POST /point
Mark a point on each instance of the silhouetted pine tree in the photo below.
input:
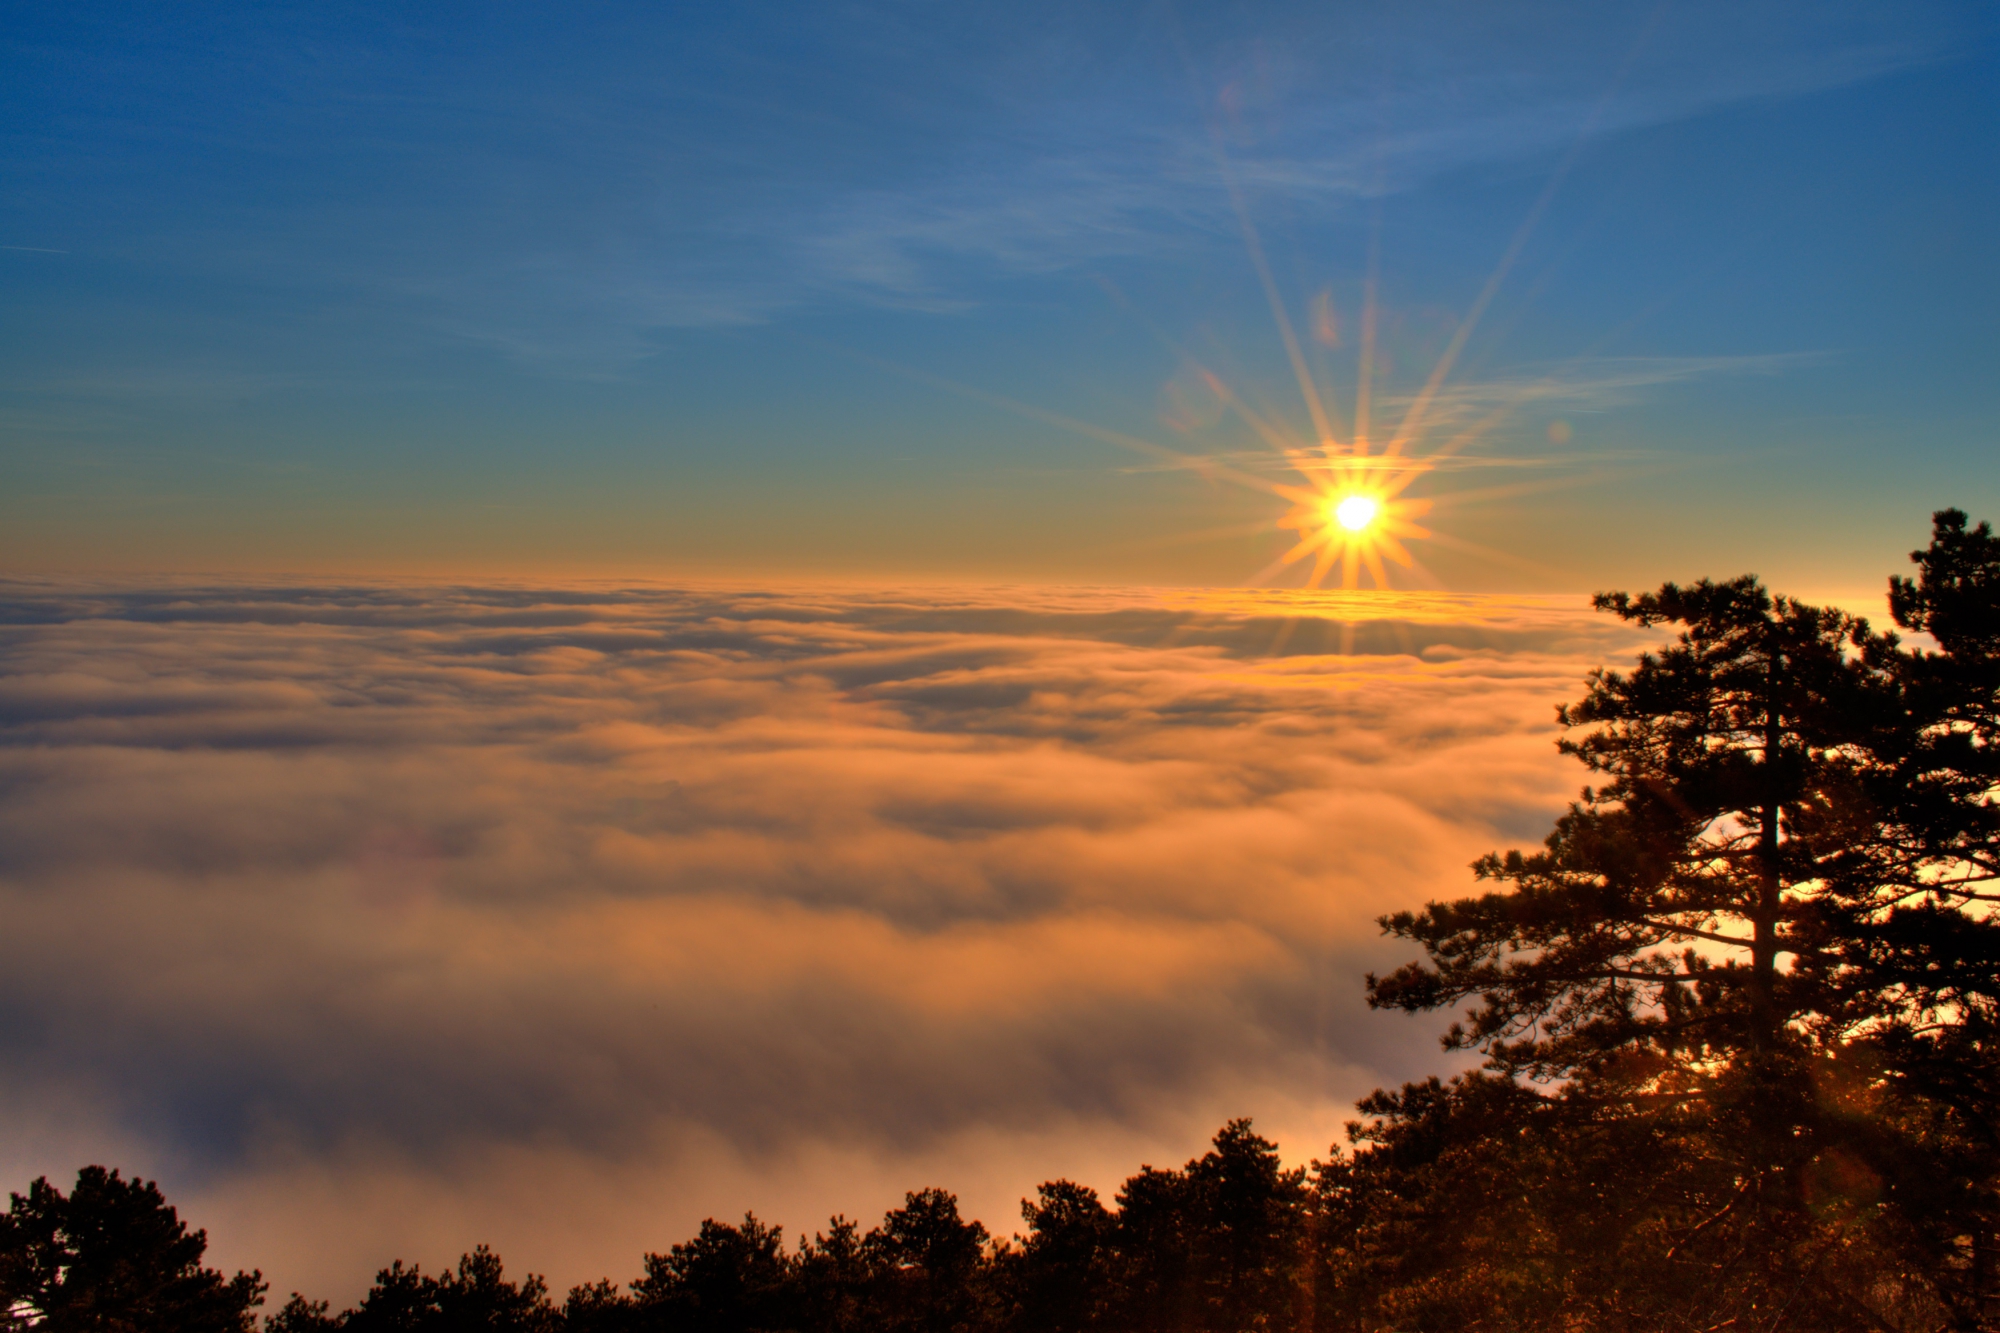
(1737, 1015)
(1058, 1279)
(927, 1267)
(1217, 1245)
(112, 1255)
(477, 1296)
(598, 1307)
(726, 1279)
(830, 1280)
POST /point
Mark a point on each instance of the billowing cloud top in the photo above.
(363, 915)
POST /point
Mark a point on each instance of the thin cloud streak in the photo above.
(723, 204)
(1597, 384)
(1157, 186)
(1479, 408)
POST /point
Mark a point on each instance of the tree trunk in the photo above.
(1764, 919)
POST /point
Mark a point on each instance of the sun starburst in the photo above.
(1352, 515)
(1350, 501)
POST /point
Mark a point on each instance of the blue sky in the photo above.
(661, 290)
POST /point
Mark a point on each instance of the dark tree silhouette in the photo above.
(925, 1261)
(476, 1298)
(830, 1280)
(299, 1315)
(1913, 949)
(113, 1257)
(1058, 1279)
(1215, 1246)
(598, 1307)
(1757, 958)
(725, 1279)
(1656, 919)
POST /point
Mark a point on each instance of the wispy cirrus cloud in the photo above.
(708, 178)
(1463, 422)
(1313, 111)
(1594, 384)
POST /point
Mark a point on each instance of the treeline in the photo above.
(1221, 1243)
(1739, 1022)
(1225, 1242)
(1455, 1221)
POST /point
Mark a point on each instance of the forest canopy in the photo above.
(1736, 1023)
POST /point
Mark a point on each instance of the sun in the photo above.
(1355, 512)
(1352, 514)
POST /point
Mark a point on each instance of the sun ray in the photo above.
(1275, 567)
(1286, 625)
(1364, 390)
(1270, 434)
(1515, 490)
(1298, 552)
(1413, 419)
(1324, 562)
(1253, 528)
(1496, 555)
(1206, 465)
(1308, 389)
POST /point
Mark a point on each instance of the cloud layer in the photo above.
(363, 915)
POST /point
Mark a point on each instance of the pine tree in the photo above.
(926, 1266)
(726, 1279)
(1759, 945)
(1216, 1246)
(1058, 1278)
(113, 1257)
(476, 1296)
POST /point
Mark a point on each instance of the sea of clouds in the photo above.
(381, 920)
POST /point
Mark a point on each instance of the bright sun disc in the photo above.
(1355, 512)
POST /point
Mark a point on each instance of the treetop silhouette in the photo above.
(1760, 949)
(113, 1257)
